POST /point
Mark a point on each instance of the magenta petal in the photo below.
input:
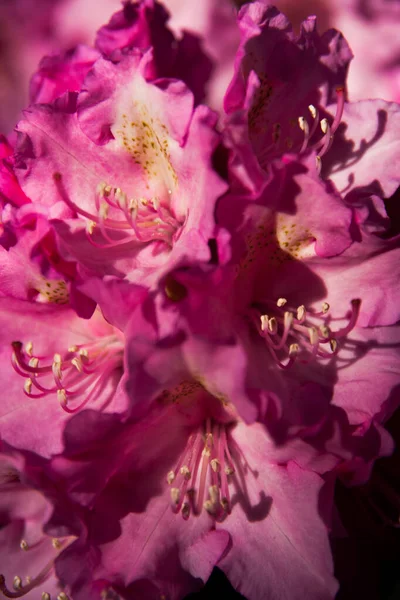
(365, 154)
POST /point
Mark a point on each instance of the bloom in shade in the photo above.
(195, 488)
(28, 554)
(281, 84)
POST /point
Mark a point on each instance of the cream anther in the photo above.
(185, 471)
(215, 465)
(312, 110)
(28, 385)
(103, 210)
(272, 325)
(24, 545)
(17, 583)
(209, 507)
(213, 491)
(281, 302)
(107, 190)
(175, 495)
(57, 362)
(333, 344)
(313, 335)
(46, 596)
(287, 319)
(62, 397)
(55, 542)
(90, 227)
(229, 470)
(325, 307)
(293, 350)
(264, 322)
(170, 477)
(301, 312)
(29, 348)
(33, 362)
(185, 510)
(62, 596)
(73, 349)
(77, 363)
(318, 164)
(324, 125)
(302, 123)
(83, 353)
(325, 331)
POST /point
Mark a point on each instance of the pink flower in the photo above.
(195, 488)
(28, 554)
(54, 364)
(371, 29)
(150, 197)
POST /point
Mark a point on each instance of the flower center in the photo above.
(83, 371)
(203, 472)
(298, 334)
(119, 220)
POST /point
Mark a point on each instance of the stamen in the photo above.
(140, 220)
(83, 371)
(210, 464)
(302, 335)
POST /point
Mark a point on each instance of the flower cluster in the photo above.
(198, 308)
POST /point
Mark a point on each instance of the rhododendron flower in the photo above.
(28, 554)
(199, 311)
(60, 363)
(195, 488)
(149, 194)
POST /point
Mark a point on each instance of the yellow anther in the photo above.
(55, 542)
(333, 344)
(281, 302)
